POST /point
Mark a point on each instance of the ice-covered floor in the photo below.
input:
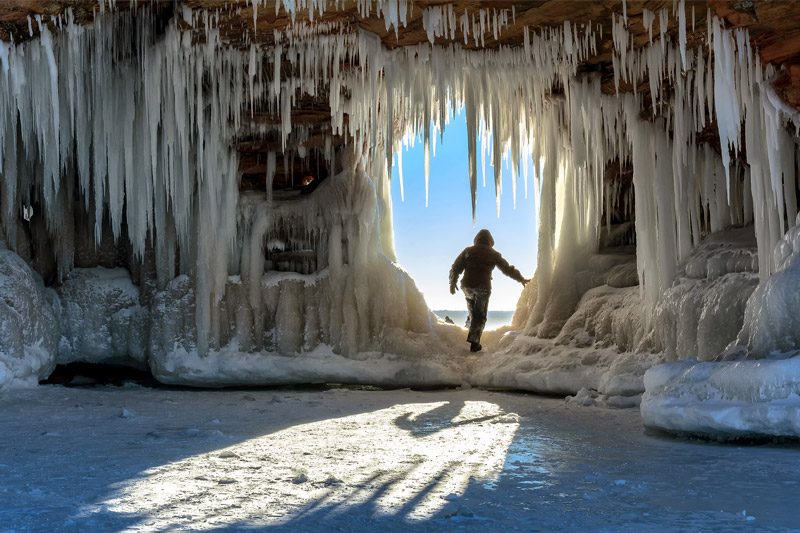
(135, 459)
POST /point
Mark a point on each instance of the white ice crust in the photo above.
(725, 399)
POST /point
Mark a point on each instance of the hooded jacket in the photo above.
(477, 263)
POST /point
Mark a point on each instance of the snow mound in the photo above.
(724, 400)
(29, 326)
(600, 346)
(101, 319)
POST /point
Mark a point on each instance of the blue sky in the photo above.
(428, 240)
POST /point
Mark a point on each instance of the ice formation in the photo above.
(724, 400)
(102, 318)
(29, 326)
(132, 145)
(355, 317)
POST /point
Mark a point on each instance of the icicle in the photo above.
(682, 31)
(725, 97)
(400, 173)
(471, 111)
(647, 21)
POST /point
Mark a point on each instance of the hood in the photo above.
(484, 237)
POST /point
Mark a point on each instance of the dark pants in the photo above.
(477, 305)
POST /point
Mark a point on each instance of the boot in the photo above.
(475, 347)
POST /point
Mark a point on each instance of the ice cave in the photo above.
(202, 190)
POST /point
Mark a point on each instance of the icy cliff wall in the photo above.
(132, 128)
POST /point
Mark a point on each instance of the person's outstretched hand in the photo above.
(453, 289)
(525, 282)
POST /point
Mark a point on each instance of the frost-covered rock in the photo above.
(101, 318)
(772, 321)
(696, 318)
(724, 400)
(29, 323)
(702, 312)
(172, 321)
(608, 316)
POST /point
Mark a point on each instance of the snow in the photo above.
(231, 366)
(358, 461)
(543, 365)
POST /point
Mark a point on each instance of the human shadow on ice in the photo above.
(437, 419)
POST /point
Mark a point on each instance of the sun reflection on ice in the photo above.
(404, 461)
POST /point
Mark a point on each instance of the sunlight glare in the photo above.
(405, 461)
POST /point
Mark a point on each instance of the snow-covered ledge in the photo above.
(725, 399)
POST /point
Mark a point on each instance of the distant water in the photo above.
(494, 320)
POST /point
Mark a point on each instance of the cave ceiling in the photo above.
(773, 26)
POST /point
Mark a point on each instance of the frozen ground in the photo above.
(135, 459)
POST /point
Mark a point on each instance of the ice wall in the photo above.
(683, 190)
(357, 317)
(138, 139)
(140, 135)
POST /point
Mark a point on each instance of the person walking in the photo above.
(477, 263)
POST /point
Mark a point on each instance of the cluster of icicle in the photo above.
(143, 133)
(684, 190)
(139, 135)
(437, 20)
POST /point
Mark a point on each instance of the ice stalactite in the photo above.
(131, 132)
(730, 86)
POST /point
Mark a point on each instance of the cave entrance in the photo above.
(86, 374)
(428, 239)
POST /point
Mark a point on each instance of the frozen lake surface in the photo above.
(494, 319)
(136, 459)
